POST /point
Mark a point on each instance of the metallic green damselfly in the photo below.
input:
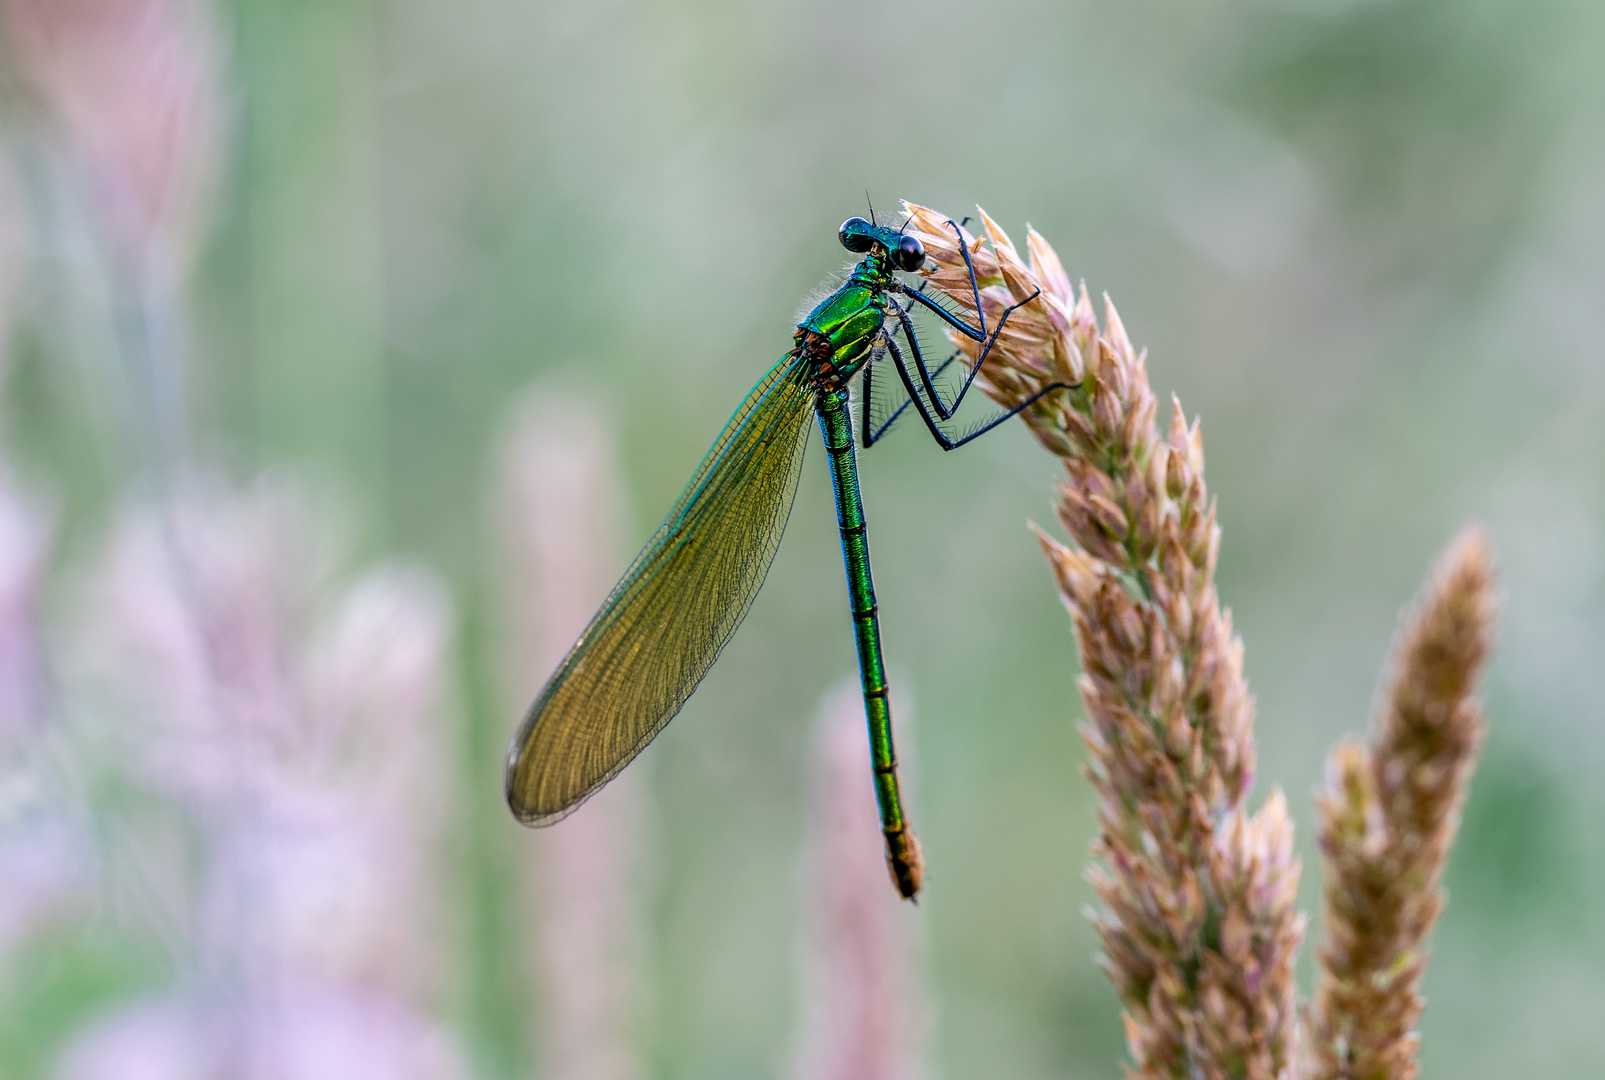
(662, 627)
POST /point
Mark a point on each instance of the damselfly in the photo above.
(662, 627)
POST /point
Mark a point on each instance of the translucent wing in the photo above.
(662, 628)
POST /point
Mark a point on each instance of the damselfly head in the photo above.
(860, 237)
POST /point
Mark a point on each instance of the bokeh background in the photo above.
(351, 347)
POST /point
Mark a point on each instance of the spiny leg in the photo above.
(870, 438)
(867, 436)
(946, 411)
(969, 265)
(975, 290)
(943, 440)
(974, 334)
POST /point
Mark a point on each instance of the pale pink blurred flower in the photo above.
(300, 1034)
(147, 1041)
(347, 841)
(863, 1007)
(199, 614)
(43, 863)
(246, 668)
(134, 84)
(43, 859)
(340, 1035)
(375, 676)
(298, 729)
(558, 502)
(27, 533)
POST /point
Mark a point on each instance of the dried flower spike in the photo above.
(1388, 816)
(1198, 925)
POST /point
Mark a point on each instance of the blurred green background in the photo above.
(1363, 239)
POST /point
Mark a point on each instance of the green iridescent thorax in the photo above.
(851, 317)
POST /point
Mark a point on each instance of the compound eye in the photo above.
(856, 242)
(910, 254)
